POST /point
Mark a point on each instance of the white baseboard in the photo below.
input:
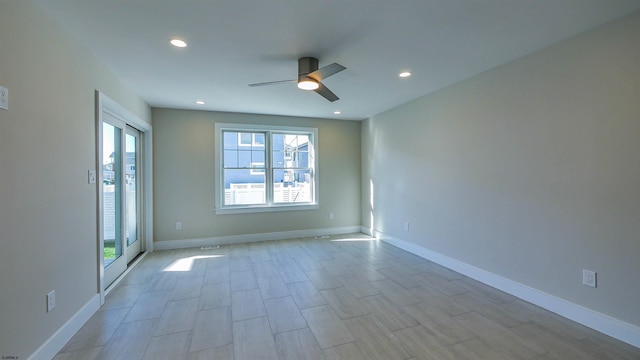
(238, 239)
(603, 323)
(57, 341)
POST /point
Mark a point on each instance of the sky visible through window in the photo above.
(107, 143)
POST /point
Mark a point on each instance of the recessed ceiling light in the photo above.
(200, 102)
(178, 42)
(337, 112)
(404, 74)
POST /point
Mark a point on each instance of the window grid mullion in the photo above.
(268, 167)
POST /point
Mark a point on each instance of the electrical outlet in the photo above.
(589, 278)
(178, 225)
(331, 215)
(406, 226)
(4, 98)
(51, 300)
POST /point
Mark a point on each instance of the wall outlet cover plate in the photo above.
(589, 278)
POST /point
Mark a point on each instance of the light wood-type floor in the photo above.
(347, 297)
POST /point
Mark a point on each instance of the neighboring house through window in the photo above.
(265, 168)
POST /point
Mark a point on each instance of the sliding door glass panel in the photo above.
(112, 192)
(131, 194)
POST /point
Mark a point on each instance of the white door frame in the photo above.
(104, 105)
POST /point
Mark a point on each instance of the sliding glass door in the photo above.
(120, 211)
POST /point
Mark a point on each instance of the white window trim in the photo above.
(219, 207)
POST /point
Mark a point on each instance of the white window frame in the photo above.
(221, 209)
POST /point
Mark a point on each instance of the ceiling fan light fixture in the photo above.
(177, 42)
(308, 84)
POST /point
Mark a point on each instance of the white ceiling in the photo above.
(236, 42)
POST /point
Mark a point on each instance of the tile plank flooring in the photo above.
(347, 297)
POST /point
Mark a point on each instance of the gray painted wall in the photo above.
(48, 236)
(530, 171)
(183, 170)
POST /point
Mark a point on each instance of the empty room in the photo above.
(339, 179)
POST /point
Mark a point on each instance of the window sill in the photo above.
(263, 209)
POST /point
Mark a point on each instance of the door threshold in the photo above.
(136, 260)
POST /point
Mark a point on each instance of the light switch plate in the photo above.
(4, 98)
(92, 177)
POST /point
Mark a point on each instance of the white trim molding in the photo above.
(238, 239)
(105, 106)
(59, 339)
(603, 323)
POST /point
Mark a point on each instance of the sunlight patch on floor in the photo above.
(354, 239)
(185, 264)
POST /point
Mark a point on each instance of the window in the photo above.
(261, 168)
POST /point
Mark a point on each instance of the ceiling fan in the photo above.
(310, 77)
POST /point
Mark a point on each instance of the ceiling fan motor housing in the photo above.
(307, 65)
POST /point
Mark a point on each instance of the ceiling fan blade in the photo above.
(273, 82)
(326, 93)
(326, 71)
